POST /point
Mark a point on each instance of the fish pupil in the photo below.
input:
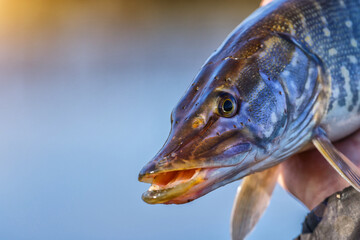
(228, 106)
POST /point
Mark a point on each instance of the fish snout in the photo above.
(146, 172)
(167, 159)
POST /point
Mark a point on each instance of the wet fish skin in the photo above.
(292, 66)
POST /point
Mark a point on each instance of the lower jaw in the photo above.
(179, 194)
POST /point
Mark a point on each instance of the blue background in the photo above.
(86, 92)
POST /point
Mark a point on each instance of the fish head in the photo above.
(221, 130)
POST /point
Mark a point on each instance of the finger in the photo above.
(350, 146)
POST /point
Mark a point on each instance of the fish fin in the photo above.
(344, 166)
(252, 198)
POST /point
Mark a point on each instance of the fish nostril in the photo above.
(198, 122)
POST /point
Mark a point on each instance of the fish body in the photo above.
(286, 79)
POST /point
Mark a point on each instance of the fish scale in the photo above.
(333, 40)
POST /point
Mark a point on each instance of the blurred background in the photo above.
(86, 92)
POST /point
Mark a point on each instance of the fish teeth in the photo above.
(178, 178)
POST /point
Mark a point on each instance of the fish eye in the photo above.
(227, 106)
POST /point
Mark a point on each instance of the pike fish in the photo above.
(285, 80)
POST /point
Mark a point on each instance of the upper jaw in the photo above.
(185, 184)
(166, 161)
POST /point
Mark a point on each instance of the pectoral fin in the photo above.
(252, 198)
(347, 169)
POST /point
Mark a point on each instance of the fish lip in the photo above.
(199, 184)
(167, 195)
(152, 168)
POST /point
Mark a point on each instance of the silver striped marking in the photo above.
(268, 131)
(353, 42)
(303, 20)
(353, 59)
(317, 5)
(295, 59)
(346, 75)
(262, 54)
(326, 32)
(273, 117)
(348, 23)
(332, 51)
(336, 92)
(309, 40)
(323, 19)
(286, 73)
(342, 4)
(308, 81)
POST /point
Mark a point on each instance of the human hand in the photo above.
(310, 178)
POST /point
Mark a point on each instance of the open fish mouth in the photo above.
(182, 184)
(178, 186)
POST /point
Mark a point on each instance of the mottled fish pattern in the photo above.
(290, 77)
(331, 30)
